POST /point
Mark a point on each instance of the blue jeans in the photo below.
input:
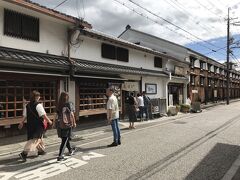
(116, 131)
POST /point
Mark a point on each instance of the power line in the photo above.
(178, 6)
(171, 23)
(205, 7)
(60, 4)
(156, 22)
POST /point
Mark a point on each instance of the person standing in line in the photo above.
(132, 111)
(35, 114)
(65, 122)
(147, 103)
(113, 116)
(140, 105)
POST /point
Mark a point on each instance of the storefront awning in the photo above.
(99, 77)
(33, 73)
(105, 68)
(22, 59)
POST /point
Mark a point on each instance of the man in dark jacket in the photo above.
(147, 105)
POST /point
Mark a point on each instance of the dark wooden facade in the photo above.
(208, 81)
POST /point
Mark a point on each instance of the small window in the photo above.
(192, 61)
(209, 81)
(108, 51)
(122, 54)
(201, 81)
(192, 80)
(201, 65)
(21, 26)
(209, 67)
(158, 62)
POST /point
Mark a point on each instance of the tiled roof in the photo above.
(96, 67)
(14, 55)
(98, 35)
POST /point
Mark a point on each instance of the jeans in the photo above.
(145, 110)
(116, 131)
(141, 109)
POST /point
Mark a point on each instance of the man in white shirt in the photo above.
(113, 116)
(140, 105)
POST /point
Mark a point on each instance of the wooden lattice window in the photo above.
(21, 26)
(14, 93)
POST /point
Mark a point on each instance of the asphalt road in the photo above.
(202, 146)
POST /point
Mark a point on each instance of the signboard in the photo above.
(179, 70)
(130, 86)
(194, 91)
(151, 88)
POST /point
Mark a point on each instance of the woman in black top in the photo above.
(65, 123)
(132, 111)
(34, 113)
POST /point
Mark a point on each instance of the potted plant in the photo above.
(185, 108)
(178, 108)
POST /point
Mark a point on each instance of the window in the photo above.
(108, 51)
(215, 82)
(158, 62)
(115, 53)
(209, 67)
(215, 69)
(221, 83)
(13, 94)
(192, 61)
(220, 71)
(21, 26)
(209, 81)
(192, 80)
(122, 54)
(201, 81)
(201, 65)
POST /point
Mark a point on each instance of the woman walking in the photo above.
(35, 114)
(65, 123)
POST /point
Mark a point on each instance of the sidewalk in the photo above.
(14, 145)
(209, 105)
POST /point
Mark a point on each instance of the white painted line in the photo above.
(233, 169)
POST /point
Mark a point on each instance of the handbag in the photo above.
(45, 124)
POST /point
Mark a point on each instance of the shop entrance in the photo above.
(175, 94)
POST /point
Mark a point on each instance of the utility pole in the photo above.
(228, 52)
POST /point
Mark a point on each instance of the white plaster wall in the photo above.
(155, 43)
(90, 49)
(171, 66)
(161, 86)
(53, 34)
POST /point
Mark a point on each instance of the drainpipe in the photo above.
(170, 78)
(72, 64)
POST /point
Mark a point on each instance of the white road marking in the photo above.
(49, 169)
(91, 156)
(232, 171)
